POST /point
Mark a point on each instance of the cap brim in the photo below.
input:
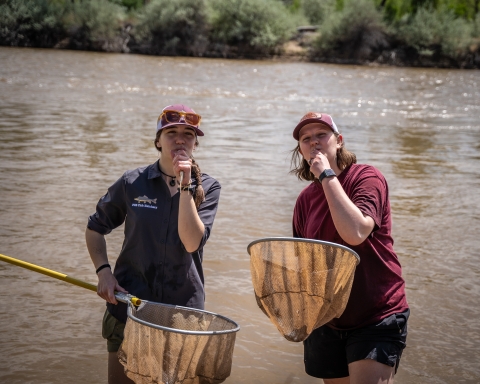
(296, 131)
(196, 129)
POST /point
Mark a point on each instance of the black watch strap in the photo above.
(326, 173)
(186, 188)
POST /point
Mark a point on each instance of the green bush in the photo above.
(292, 5)
(357, 32)
(395, 9)
(253, 26)
(432, 32)
(476, 26)
(96, 24)
(172, 27)
(30, 23)
(464, 8)
(131, 4)
(316, 11)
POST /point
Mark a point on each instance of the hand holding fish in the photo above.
(182, 163)
(318, 163)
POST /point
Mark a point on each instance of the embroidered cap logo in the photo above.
(311, 115)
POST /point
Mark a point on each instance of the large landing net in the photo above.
(165, 343)
(171, 344)
(301, 284)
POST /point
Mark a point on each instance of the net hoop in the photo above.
(301, 284)
(300, 240)
(132, 317)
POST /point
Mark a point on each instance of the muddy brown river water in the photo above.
(72, 122)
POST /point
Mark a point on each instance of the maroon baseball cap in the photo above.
(179, 114)
(315, 117)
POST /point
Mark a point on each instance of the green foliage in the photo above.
(30, 23)
(129, 4)
(430, 31)
(252, 25)
(464, 8)
(417, 4)
(476, 26)
(295, 6)
(349, 30)
(317, 11)
(396, 9)
(98, 20)
(339, 5)
(356, 32)
(173, 27)
(292, 5)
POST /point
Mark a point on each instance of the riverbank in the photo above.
(365, 32)
(399, 56)
(292, 51)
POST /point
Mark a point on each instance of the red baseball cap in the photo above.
(179, 114)
(315, 117)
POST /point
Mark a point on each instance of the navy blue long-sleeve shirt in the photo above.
(153, 263)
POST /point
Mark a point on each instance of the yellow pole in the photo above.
(48, 272)
(63, 277)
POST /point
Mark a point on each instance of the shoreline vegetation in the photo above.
(415, 33)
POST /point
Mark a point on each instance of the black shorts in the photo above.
(328, 352)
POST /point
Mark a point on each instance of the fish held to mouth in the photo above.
(313, 154)
(175, 152)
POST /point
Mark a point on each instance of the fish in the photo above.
(145, 199)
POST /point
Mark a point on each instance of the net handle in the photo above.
(123, 297)
(300, 240)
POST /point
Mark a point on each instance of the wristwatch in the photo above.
(186, 188)
(326, 173)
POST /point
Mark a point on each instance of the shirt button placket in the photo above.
(164, 223)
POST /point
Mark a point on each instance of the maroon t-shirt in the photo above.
(378, 287)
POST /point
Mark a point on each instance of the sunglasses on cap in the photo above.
(172, 117)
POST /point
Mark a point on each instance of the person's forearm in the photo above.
(97, 247)
(190, 227)
(352, 226)
(107, 283)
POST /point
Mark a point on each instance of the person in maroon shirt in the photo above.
(347, 204)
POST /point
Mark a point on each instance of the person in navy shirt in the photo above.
(167, 223)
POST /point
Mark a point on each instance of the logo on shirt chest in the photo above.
(145, 202)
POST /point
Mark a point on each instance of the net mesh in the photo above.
(151, 355)
(301, 285)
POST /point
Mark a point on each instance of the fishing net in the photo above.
(301, 284)
(166, 343)
(172, 344)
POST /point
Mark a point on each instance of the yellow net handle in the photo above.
(61, 276)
